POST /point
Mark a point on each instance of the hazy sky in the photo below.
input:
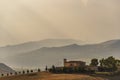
(86, 20)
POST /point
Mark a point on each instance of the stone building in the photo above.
(74, 63)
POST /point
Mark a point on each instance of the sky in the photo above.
(31, 20)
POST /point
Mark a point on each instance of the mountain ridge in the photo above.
(34, 45)
(54, 55)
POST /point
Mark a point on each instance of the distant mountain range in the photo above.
(4, 69)
(30, 46)
(54, 55)
(19, 49)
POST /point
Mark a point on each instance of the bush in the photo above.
(104, 73)
(70, 70)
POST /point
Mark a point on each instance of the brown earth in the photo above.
(49, 76)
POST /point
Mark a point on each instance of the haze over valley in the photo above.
(37, 54)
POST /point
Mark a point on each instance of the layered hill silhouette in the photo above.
(11, 50)
(54, 55)
(4, 69)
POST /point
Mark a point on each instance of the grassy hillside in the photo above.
(49, 76)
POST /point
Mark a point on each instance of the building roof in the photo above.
(75, 62)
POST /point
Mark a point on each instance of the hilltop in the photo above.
(49, 76)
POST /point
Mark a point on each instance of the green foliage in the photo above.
(67, 70)
(94, 62)
(104, 73)
(109, 63)
(102, 62)
(118, 62)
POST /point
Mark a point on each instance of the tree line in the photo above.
(109, 64)
(70, 70)
(20, 72)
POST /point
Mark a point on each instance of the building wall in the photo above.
(74, 64)
(70, 65)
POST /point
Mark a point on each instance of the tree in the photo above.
(15, 73)
(11, 73)
(110, 63)
(118, 62)
(46, 69)
(23, 72)
(7, 74)
(2, 75)
(19, 72)
(94, 62)
(102, 62)
(53, 68)
(39, 70)
(31, 71)
(28, 71)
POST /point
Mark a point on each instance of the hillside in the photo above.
(4, 69)
(54, 55)
(49, 76)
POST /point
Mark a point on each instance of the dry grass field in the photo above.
(49, 76)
